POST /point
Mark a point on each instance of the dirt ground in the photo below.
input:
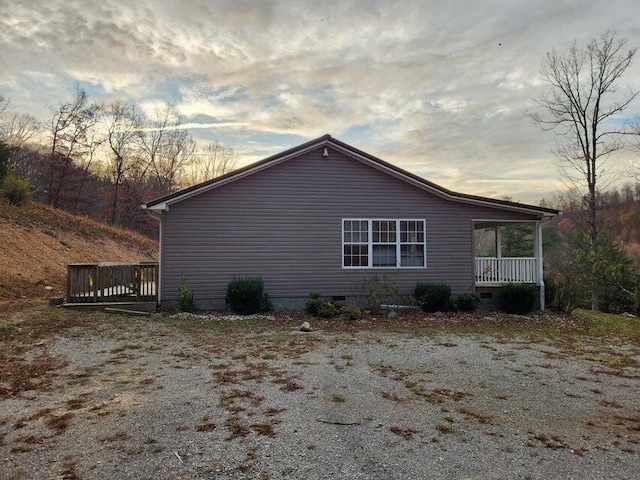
(38, 241)
(99, 396)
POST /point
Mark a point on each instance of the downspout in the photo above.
(539, 262)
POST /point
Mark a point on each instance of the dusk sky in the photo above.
(436, 87)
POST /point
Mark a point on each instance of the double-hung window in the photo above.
(383, 243)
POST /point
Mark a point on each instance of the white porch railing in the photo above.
(506, 270)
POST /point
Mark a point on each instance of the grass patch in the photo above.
(126, 346)
(206, 427)
(288, 385)
(116, 437)
(59, 423)
(404, 432)
(480, 417)
(393, 396)
(554, 442)
(337, 398)
(69, 470)
(236, 428)
(445, 427)
(273, 411)
(265, 429)
(607, 325)
(29, 439)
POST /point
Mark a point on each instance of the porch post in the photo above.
(498, 242)
(538, 253)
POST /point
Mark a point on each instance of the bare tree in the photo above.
(4, 104)
(124, 123)
(73, 139)
(167, 146)
(581, 105)
(16, 129)
(214, 160)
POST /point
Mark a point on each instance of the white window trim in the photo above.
(370, 243)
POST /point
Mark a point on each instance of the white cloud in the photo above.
(437, 87)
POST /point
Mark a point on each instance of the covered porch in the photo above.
(508, 252)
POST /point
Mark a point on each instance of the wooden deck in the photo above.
(100, 284)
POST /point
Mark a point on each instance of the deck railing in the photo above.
(506, 270)
(112, 282)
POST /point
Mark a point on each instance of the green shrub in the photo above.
(328, 309)
(16, 189)
(185, 297)
(323, 308)
(352, 312)
(313, 304)
(518, 298)
(433, 297)
(267, 304)
(467, 302)
(246, 296)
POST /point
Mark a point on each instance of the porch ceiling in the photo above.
(499, 223)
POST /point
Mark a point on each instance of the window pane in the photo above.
(412, 255)
(384, 256)
(356, 255)
(384, 231)
(356, 231)
(411, 231)
(363, 228)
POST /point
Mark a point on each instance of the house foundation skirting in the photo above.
(490, 297)
(489, 300)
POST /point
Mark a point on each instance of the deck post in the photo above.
(68, 282)
(539, 266)
(96, 281)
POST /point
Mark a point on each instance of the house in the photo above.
(326, 217)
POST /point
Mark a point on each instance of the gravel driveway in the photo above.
(151, 398)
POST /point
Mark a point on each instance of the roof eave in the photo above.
(234, 176)
(162, 204)
(156, 209)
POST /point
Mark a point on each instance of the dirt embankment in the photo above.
(38, 241)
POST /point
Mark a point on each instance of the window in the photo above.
(383, 243)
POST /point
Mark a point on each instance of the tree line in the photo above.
(572, 267)
(105, 160)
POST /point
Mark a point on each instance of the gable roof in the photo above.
(163, 203)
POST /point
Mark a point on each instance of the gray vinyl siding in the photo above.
(284, 224)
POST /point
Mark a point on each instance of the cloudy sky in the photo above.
(437, 87)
